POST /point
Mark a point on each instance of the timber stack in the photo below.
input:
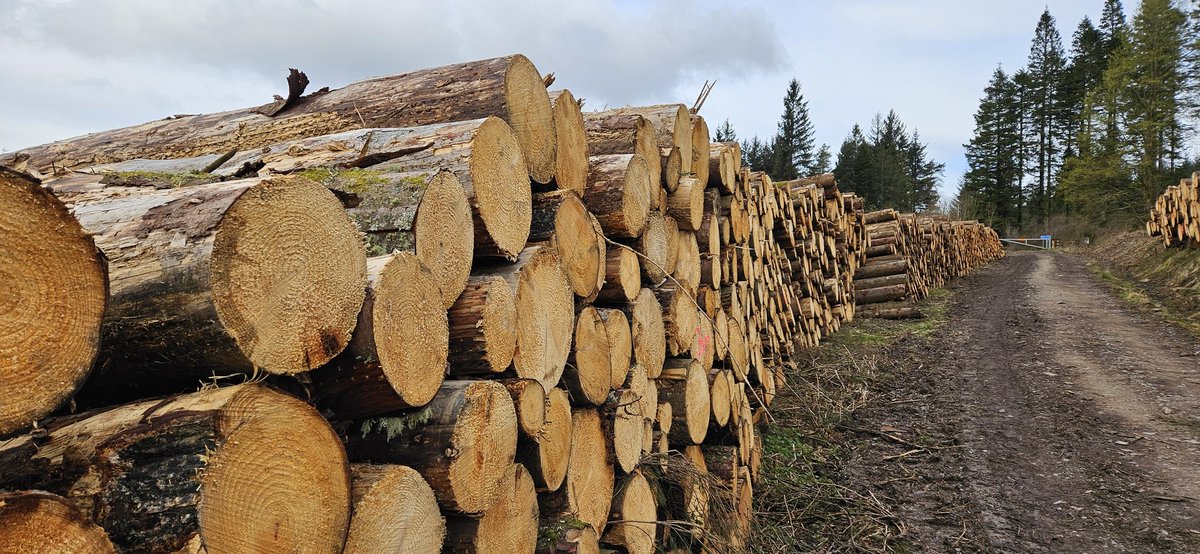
(910, 254)
(407, 316)
(1176, 214)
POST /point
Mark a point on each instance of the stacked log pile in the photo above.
(487, 321)
(910, 254)
(1176, 214)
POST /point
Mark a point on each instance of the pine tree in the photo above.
(853, 171)
(923, 175)
(824, 160)
(1147, 79)
(1046, 66)
(991, 186)
(756, 154)
(1083, 74)
(792, 146)
(725, 132)
(1113, 25)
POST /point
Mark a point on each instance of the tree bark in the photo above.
(610, 132)
(225, 277)
(482, 328)
(397, 356)
(463, 443)
(159, 475)
(509, 88)
(55, 293)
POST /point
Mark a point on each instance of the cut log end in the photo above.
(500, 185)
(531, 117)
(587, 492)
(545, 317)
(581, 247)
(288, 274)
(635, 203)
(620, 345)
(589, 373)
(46, 523)
(279, 481)
(484, 437)
(409, 327)
(546, 456)
(445, 235)
(509, 525)
(635, 510)
(394, 511)
(53, 301)
(648, 332)
(571, 157)
(654, 245)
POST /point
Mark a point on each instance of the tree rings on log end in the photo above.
(288, 274)
(445, 234)
(531, 117)
(500, 185)
(394, 511)
(546, 456)
(278, 481)
(509, 525)
(589, 372)
(581, 247)
(635, 510)
(590, 476)
(653, 245)
(649, 333)
(571, 157)
(620, 345)
(545, 317)
(46, 523)
(407, 328)
(53, 300)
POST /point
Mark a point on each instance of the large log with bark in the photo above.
(561, 218)
(545, 313)
(613, 132)
(618, 192)
(509, 88)
(509, 525)
(35, 521)
(394, 511)
(482, 325)
(397, 355)
(463, 443)
(235, 469)
(685, 388)
(255, 274)
(54, 297)
(673, 129)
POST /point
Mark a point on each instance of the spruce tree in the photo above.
(792, 147)
(824, 160)
(725, 132)
(992, 183)
(1045, 67)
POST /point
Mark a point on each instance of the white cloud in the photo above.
(89, 65)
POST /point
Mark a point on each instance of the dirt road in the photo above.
(1045, 416)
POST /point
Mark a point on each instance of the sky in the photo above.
(76, 66)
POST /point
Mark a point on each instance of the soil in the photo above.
(1045, 416)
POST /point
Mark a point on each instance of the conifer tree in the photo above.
(792, 147)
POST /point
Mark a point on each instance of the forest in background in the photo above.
(1086, 138)
(1078, 139)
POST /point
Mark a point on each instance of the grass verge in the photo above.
(801, 504)
(1139, 298)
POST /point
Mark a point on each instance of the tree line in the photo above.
(1096, 132)
(887, 165)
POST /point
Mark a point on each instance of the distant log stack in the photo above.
(1176, 214)
(570, 328)
(911, 254)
